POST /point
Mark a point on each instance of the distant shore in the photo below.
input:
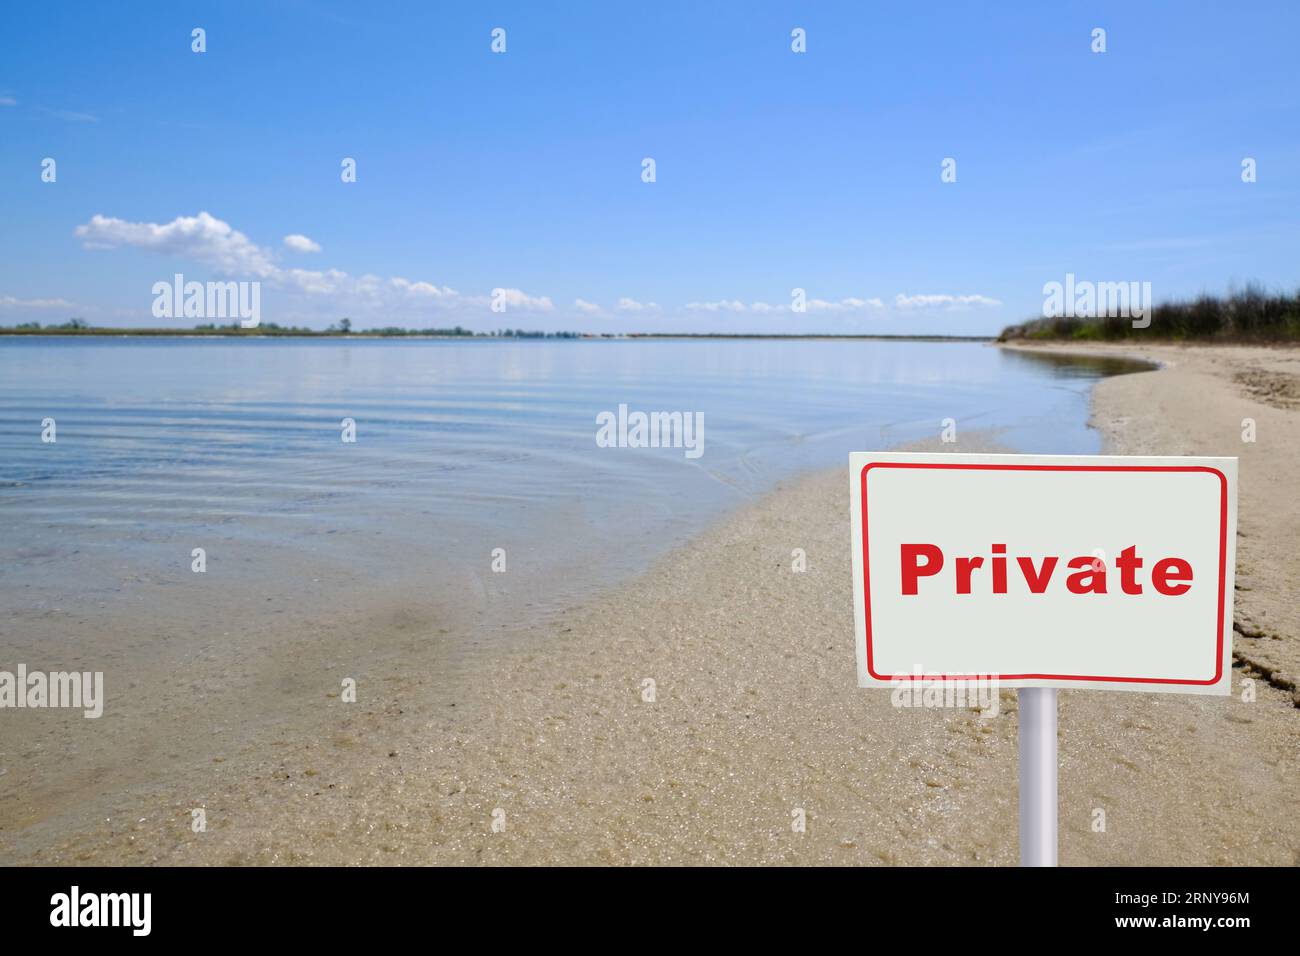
(275, 332)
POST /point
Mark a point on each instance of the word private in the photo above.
(1169, 576)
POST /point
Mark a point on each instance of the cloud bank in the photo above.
(216, 244)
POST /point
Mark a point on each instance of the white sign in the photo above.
(1044, 570)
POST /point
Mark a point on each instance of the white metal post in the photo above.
(1037, 776)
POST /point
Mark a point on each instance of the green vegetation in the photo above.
(72, 325)
(1248, 316)
(340, 329)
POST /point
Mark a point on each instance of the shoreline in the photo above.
(755, 714)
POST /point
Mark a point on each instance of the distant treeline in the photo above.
(1252, 315)
(343, 329)
(340, 329)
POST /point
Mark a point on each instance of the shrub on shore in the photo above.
(1251, 315)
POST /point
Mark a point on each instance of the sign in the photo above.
(1044, 571)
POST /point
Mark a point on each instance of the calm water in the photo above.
(461, 447)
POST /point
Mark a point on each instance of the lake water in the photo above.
(462, 447)
(371, 561)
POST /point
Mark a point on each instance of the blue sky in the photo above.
(522, 171)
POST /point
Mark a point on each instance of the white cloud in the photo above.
(762, 308)
(587, 308)
(851, 304)
(942, 301)
(8, 101)
(726, 305)
(848, 304)
(10, 302)
(314, 282)
(215, 243)
(421, 289)
(632, 305)
(517, 299)
(203, 237)
(300, 243)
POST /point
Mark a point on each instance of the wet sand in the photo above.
(756, 713)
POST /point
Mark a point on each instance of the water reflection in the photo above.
(1078, 365)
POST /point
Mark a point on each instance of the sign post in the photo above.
(1038, 766)
(1040, 572)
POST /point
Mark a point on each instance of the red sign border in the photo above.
(1223, 566)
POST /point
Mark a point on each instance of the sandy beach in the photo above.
(755, 715)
